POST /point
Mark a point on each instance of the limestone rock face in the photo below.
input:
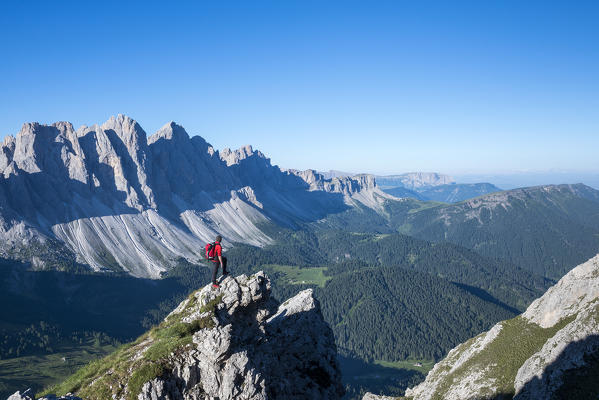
(576, 289)
(257, 350)
(110, 197)
(554, 343)
(242, 345)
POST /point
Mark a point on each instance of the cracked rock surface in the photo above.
(241, 344)
(256, 350)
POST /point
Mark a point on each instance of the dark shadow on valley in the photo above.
(484, 295)
(121, 306)
(360, 376)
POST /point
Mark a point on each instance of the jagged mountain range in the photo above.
(109, 196)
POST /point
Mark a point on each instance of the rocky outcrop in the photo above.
(29, 395)
(115, 199)
(234, 342)
(553, 344)
(370, 396)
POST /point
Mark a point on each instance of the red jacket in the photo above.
(218, 251)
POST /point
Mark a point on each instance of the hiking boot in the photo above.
(215, 285)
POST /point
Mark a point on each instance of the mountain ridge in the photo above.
(546, 229)
(118, 198)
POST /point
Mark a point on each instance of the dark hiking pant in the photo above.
(216, 265)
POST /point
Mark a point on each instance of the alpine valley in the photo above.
(102, 236)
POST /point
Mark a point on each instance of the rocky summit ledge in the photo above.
(234, 342)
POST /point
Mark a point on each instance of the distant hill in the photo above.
(545, 229)
(432, 186)
(336, 174)
(414, 180)
(337, 263)
(452, 193)
(458, 192)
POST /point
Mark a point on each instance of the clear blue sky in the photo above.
(368, 86)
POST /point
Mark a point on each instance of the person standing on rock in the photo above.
(215, 254)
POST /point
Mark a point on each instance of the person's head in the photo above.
(219, 238)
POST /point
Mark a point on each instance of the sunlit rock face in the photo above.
(111, 198)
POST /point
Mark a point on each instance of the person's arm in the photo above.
(219, 253)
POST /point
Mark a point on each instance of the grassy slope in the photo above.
(293, 275)
(93, 382)
(517, 341)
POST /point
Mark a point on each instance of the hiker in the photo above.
(216, 256)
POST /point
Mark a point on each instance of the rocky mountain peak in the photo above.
(128, 130)
(40, 147)
(232, 157)
(235, 342)
(170, 131)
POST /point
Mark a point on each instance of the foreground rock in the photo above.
(29, 395)
(230, 343)
(550, 351)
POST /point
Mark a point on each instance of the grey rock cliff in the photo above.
(256, 350)
(110, 197)
(246, 347)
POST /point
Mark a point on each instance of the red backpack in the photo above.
(211, 251)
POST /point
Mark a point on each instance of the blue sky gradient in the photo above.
(383, 87)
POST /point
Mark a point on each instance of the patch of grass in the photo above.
(426, 365)
(211, 305)
(86, 375)
(141, 375)
(425, 205)
(517, 341)
(300, 276)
